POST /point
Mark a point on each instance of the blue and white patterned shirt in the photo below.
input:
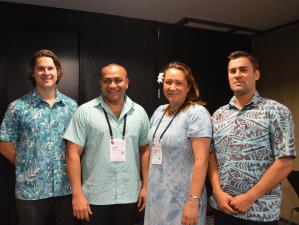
(169, 182)
(246, 143)
(37, 130)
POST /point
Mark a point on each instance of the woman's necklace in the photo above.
(173, 110)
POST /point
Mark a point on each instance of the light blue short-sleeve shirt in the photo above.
(106, 182)
(37, 129)
(246, 143)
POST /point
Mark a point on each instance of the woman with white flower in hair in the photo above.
(180, 139)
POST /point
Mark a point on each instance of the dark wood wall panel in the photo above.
(127, 42)
(22, 43)
(205, 53)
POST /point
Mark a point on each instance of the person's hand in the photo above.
(81, 208)
(190, 212)
(241, 203)
(223, 202)
(142, 199)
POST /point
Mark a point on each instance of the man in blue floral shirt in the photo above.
(252, 152)
(31, 138)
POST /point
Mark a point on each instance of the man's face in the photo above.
(114, 83)
(242, 76)
(45, 73)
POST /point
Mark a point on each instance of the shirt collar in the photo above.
(128, 105)
(37, 99)
(256, 98)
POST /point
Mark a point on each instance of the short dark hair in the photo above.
(113, 64)
(238, 54)
(44, 53)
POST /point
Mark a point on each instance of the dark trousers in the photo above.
(221, 218)
(54, 211)
(119, 214)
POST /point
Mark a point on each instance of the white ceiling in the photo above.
(255, 14)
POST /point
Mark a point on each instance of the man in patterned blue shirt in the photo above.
(252, 151)
(31, 138)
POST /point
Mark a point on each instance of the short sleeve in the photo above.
(145, 125)
(73, 106)
(10, 124)
(282, 132)
(199, 122)
(212, 147)
(76, 131)
(153, 119)
(159, 111)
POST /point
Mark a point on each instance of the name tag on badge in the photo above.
(118, 150)
(157, 152)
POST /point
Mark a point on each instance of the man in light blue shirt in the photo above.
(31, 138)
(253, 149)
(110, 134)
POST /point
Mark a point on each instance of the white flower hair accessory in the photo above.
(160, 78)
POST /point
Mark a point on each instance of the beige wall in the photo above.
(278, 53)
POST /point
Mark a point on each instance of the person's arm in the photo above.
(144, 163)
(200, 148)
(222, 198)
(8, 150)
(81, 208)
(273, 176)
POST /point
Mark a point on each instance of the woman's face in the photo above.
(175, 86)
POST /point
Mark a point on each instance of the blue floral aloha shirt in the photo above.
(246, 143)
(37, 130)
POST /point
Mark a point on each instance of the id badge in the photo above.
(156, 152)
(118, 150)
